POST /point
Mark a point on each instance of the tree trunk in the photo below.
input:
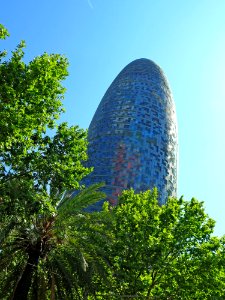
(23, 285)
(52, 287)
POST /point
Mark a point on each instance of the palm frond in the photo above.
(10, 276)
(62, 273)
(73, 204)
(6, 229)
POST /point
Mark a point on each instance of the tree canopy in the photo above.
(164, 252)
(43, 248)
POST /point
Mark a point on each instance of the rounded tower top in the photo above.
(143, 69)
(142, 64)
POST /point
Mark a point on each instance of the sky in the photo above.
(100, 37)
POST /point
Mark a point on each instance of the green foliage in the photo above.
(58, 244)
(3, 32)
(37, 164)
(164, 252)
(45, 249)
(30, 103)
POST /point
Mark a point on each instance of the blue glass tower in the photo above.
(133, 134)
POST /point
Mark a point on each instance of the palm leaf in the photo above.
(63, 277)
(6, 230)
(76, 203)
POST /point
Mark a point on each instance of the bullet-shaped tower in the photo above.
(133, 134)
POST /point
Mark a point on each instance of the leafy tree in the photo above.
(164, 252)
(30, 103)
(45, 248)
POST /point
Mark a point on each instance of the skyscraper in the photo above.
(133, 134)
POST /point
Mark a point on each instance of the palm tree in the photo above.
(55, 253)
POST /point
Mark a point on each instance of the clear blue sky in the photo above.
(100, 37)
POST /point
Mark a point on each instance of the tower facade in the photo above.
(133, 134)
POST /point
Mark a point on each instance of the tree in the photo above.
(30, 104)
(45, 249)
(164, 252)
(53, 252)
